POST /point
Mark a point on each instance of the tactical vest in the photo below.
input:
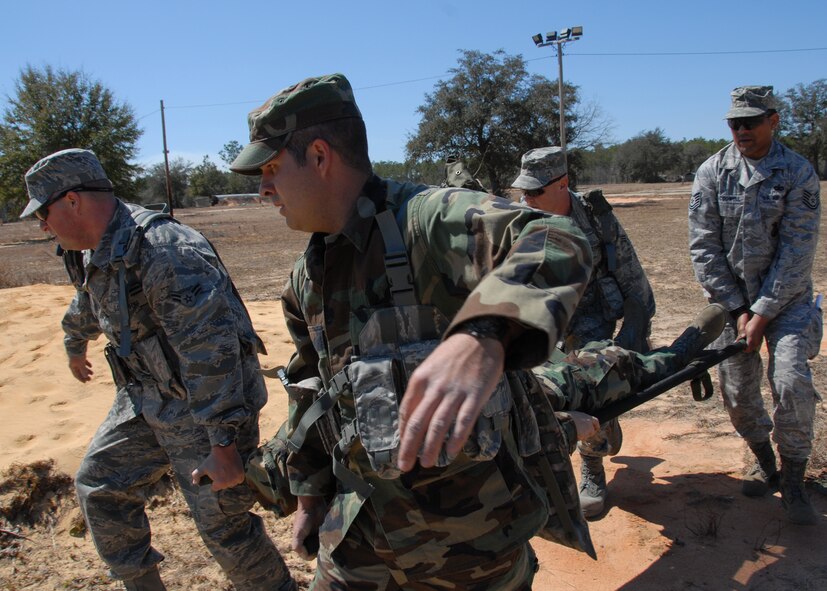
(392, 344)
(147, 356)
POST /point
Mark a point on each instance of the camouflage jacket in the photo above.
(602, 303)
(186, 294)
(472, 254)
(752, 238)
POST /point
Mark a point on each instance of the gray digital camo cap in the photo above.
(750, 101)
(540, 166)
(311, 101)
(68, 169)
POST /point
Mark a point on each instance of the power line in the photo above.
(608, 54)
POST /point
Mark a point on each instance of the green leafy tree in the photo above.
(206, 179)
(153, 182)
(56, 109)
(804, 123)
(646, 158)
(237, 183)
(491, 111)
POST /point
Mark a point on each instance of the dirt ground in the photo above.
(676, 518)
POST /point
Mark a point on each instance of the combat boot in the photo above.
(149, 581)
(593, 491)
(614, 436)
(634, 331)
(705, 328)
(793, 496)
(763, 477)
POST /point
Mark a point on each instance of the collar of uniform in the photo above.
(102, 253)
(371, 200)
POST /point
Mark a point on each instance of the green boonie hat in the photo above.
(68, 169)
(311, 101)
(540, 166)
(749, 101)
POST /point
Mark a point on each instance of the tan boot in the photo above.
(705, 328)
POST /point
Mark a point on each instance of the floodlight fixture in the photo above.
(558, 40)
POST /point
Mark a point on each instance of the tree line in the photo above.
(488, 112)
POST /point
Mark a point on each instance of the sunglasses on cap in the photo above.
(748, 123)
(42, 212)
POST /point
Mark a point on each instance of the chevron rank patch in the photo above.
(187, 297)
(695, 202)
(811, 200)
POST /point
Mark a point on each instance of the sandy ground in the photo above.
(676, 519)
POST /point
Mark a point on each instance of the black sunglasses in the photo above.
(537, 192)
(42, 212)
(748, 123)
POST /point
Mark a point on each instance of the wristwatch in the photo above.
(228, 440)
(485, 327)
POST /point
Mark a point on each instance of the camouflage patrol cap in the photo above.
(749, 101)
(311, 101)
(68, 169)
(540, 166)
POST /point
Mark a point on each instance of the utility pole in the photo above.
(552, 38)
(166, 160)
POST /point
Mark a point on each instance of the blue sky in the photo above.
(211, 62)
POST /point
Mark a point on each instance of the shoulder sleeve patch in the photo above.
(811, 200)
(695, 202)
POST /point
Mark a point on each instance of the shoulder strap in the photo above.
(397, 265)
(126, 249)
(602, 213)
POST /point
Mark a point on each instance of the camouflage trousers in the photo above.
(353, 565)
(600, 373)
(129, 453)
(593, 328)
(792, 338)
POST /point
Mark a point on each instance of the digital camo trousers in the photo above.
(127, 455)
(792, 338)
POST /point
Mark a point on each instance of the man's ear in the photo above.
(74, 201)
(319, 155)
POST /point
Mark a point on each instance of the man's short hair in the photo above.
(347, 137)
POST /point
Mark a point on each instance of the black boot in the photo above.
(149, 581)
(763, 477)
(793, 496)
(707, 326)
(593, 491)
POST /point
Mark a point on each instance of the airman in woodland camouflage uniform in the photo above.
(753, 229)
(415, 312)
(184, 357)
(617, 283)
(429, 493)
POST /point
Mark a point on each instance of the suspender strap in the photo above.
(337, 386)
(349, 478)
(609, 239)
(397, 266)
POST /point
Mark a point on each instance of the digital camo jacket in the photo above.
(185, 294)
(753, 237)
(602, 303)
(472, 255)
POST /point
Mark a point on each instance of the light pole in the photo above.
(552, 38)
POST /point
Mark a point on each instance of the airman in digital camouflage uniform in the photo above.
(753, 229)
(429, 492)
(184, 357)
(617, 283)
